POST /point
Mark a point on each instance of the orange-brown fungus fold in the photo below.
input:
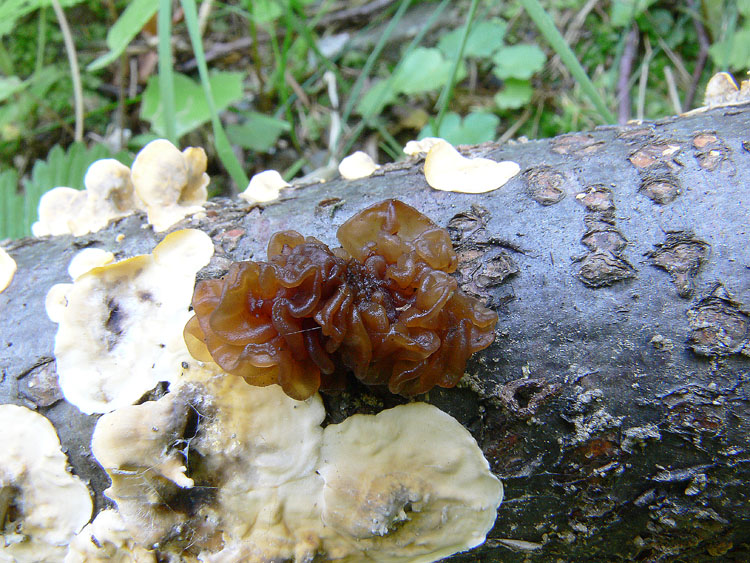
(383, 307)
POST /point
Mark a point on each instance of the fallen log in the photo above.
(613, 403)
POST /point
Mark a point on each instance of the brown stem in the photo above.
(700, 63)
(626, 67)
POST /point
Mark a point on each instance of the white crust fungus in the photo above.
(171, 184)
(57, 209)
(409, 484)
(422, 146)
(447, 170)
(357, 165)
(42, 505)
(88, 259)
(108, 195)
(7, 269)
(266, 483)
(56, 301)
(120, 325)
(250, 449)
(107, 540)
(723, 90)
(166, 183)
(264, 186)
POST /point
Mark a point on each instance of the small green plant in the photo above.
(62, 167)
(285, 99)
(424, 70)
(732, 29)
(190, 104)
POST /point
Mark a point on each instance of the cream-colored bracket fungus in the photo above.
(249, 450)
(409, 484)
(421, 147)
(168, 184)
(41, 504)
(447, 170)
(357, 165)
(108, 195)
(267, 483)
(264, 186)
(7, 269)
(107, 540)
(120, 324)
(171, 184)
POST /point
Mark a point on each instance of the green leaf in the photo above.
(264, 11)
(423, 70)
(10, 201)
(518, 61)
(13, 113)
(18, 209)
(12, 10)
(127, 26)
(380, 94)
(190, 101)
(623, 12)
(259, 132)
(515, 94)
(734, 51)
(477, 127)
(9, 86)
(558, 43)
(484, 39)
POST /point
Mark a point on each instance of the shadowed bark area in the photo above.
(614, 402)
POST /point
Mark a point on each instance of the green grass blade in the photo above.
(130, 23)
(354, 135)
(447, 94)
(360, 82)
(303, 30)
(547, 27)
(223, 147)
(8, 182)
(166, 78)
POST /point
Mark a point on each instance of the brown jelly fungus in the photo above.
(383, 307)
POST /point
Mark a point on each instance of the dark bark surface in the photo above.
(614, 402)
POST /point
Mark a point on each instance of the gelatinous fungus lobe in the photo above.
(383, 307)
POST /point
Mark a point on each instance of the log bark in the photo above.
(614, 403)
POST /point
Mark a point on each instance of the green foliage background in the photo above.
(294, 88)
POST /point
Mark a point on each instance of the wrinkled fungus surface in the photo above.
(384, 307)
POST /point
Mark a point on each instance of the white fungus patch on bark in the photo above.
(267, 483)
(7, 269)
(120, 324)
(447, 170)
(167, 184)
(357, 165)
(170, 184)
(42, 505)
(264, 186)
